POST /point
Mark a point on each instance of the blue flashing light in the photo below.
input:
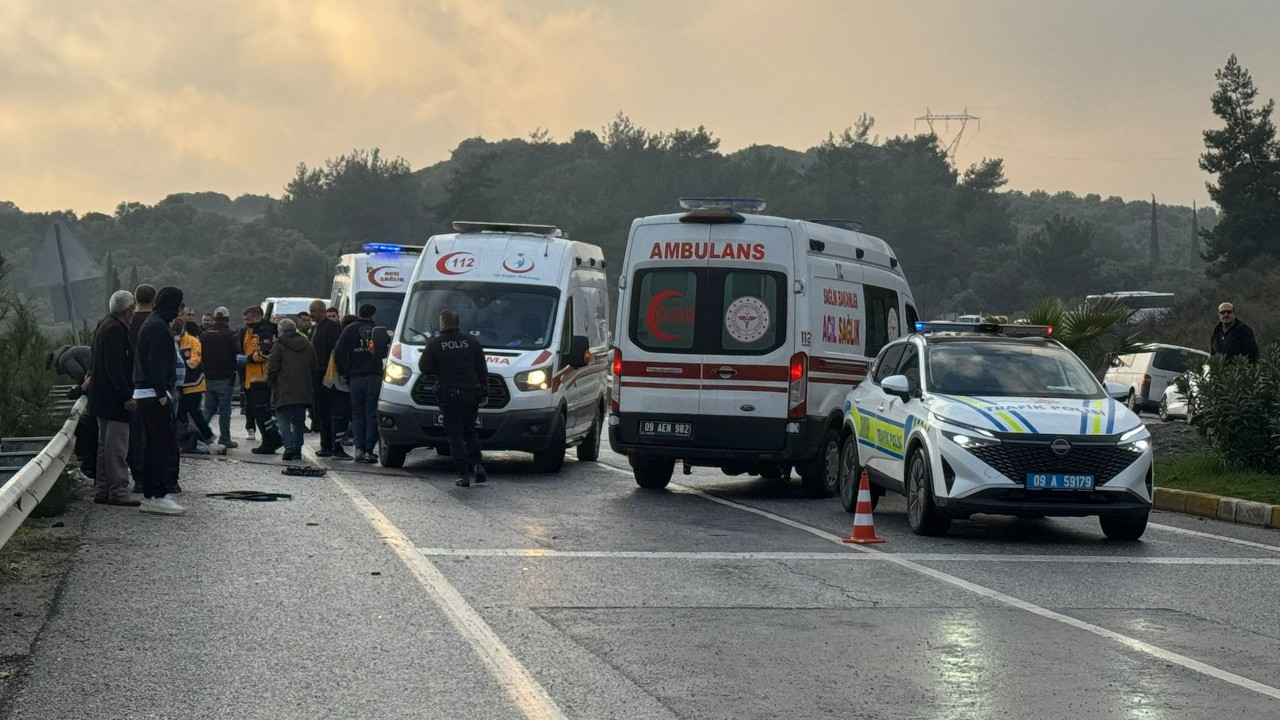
(1006, 329)
(382, 247)
(920, 326)
(747, 205)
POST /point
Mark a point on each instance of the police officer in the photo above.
(457, 360)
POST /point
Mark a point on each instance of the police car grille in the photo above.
(424, 391)
(1015, 460)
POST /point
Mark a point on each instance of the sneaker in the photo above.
(340, 454)
(481, 475)
(229, 444)
(371, 458)
(463, 481)
(162, 506)
(252, 436)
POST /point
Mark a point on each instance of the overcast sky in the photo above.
(109, 100)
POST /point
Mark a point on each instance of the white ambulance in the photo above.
(740, 334)
(539, 305)
(379, 276)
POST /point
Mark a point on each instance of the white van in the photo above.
(1149, 371)
(285, 306)
(539, 304)
(379, 276)
(739, 336)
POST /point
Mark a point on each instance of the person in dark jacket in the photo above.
(360, 366)
(457, 361)
(111, 400)
(219, 350)
(145, 297)
(1231, 337)
(292, 370)
(155, 383)
(74, 361)
(324, 336)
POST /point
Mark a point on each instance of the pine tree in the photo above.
(1194, 255)
(1246, 160)
(133, 278)
(1155, 234)
(110, 282)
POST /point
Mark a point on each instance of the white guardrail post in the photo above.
(27, 488)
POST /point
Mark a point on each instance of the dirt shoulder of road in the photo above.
(33, 565)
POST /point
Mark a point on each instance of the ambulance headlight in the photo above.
(396, 374)
(537, 379)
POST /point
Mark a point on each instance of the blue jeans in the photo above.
(364, 410)
(291, 419)
(217, 401)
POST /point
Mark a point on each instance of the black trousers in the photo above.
(191, 407)
(322, 417)
(86, 448)
(259, 396)
(160, 466)
(459, 408)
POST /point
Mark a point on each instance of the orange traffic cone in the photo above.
(864, 525)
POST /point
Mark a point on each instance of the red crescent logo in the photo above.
(456, 263)
(374, 271)
(651, 316)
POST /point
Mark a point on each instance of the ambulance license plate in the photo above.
(440, 420)
(1058, 481)
(659, 428)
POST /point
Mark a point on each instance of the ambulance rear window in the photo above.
(664, 314)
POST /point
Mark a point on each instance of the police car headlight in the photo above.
(1136, 440)
(396, 374)
(533, 379)
(969, 441)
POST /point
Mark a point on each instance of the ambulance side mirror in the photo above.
(579, 354)
(897, 385)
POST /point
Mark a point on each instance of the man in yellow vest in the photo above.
(256, 340)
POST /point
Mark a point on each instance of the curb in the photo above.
(1218, 507)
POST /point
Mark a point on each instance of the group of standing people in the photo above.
(156, 379)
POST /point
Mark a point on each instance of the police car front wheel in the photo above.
(922, 513)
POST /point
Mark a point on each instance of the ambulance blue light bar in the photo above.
(747, 205)
(1006, 329)
(390, 248)
(467, 226)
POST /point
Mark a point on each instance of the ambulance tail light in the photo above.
(616, 396)
(798, 387)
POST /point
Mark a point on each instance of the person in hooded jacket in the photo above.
(324, 336)
(155, 382)
(145, 296)
(359, 362)
(292, 369)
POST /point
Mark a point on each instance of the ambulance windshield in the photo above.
(510, 316)
(1008, 369)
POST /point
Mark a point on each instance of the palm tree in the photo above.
(1097, 332)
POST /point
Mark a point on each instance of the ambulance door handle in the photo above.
(725, 372)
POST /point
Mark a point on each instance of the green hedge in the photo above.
(1237, 408)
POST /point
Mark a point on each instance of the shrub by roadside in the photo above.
(1237, 409)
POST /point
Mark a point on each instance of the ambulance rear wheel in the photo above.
(652, 473)
(820, 475)
(551, 459)
(589, 448)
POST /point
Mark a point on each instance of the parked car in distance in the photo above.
(1148, 372)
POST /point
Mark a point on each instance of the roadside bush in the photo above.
(1237, 409)
(24, 381)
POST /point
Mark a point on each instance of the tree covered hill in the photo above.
(965, 244)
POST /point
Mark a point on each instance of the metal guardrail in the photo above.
(22, 492)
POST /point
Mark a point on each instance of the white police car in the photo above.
(998, 419)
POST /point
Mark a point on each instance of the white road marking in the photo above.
(527, 694)
(837, 556)
(1211, 536)
(1131, 643)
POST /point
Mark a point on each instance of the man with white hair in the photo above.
(111, 400)
(292, 370)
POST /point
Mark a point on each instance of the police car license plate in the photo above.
(1058, 481)
(440, 420)
(657, 428)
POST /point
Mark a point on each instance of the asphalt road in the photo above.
(394, 594)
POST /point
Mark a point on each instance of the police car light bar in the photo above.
(390, 248)
(747, 205)
(465, 226)
(1008, 330)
